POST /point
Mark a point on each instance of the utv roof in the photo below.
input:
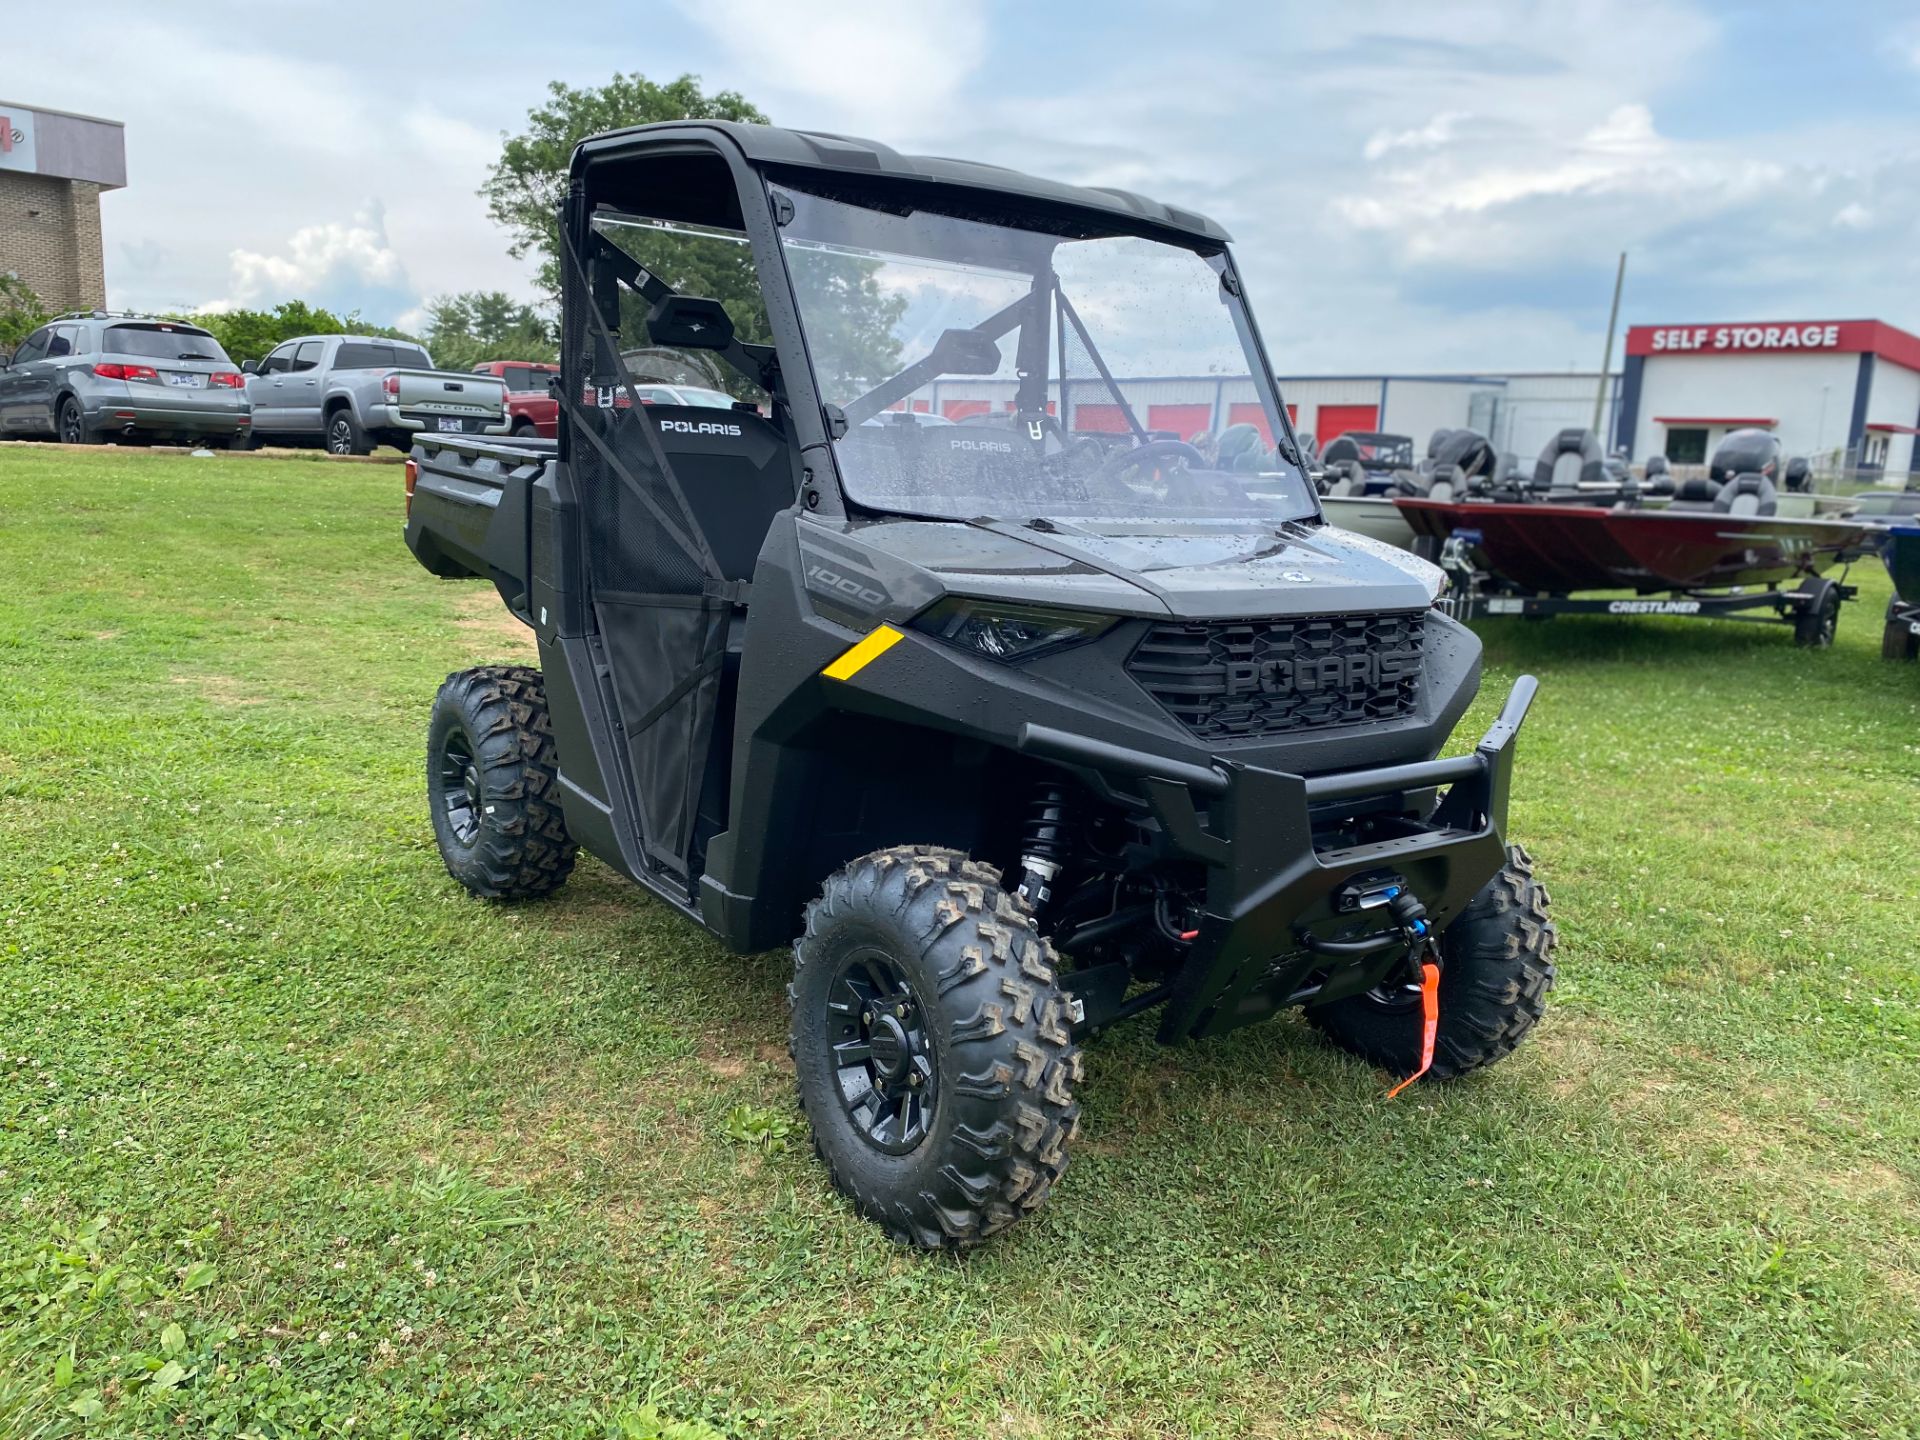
(868, 159)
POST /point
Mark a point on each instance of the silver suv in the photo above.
(91, 376)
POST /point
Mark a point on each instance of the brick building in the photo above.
(53, 168)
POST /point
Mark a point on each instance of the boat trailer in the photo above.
(1812, 607)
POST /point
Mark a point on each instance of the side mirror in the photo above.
(249, 367)
(965, 352)
(689, 322)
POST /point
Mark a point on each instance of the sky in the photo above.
(1411, 187)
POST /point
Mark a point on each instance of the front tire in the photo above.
(1496, 970)
(933, 1047)
(493, 784)
(344, 435)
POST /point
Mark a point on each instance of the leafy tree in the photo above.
(852, 332)
(524, 190)
(250, 334)
(850, 322)
(464, 330)
(21, 312)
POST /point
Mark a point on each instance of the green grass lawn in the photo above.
(297, 1139)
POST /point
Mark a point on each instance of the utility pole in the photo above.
(1606, 361)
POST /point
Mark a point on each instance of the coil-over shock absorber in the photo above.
(1043, 846)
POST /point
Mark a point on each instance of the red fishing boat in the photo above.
(1719, 548)
(1560, 549)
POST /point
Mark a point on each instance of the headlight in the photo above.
(1003, 631)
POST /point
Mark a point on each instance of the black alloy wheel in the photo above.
(460, 791)
(883, 1056)
(73, 424)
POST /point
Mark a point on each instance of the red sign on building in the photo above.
(1777, 337)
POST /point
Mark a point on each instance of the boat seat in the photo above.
(1447, 483)
(1747, 494)
(1344, 477)
(1340, 448)
(1571, 459)
(1694, 493)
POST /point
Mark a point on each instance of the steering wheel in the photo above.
(1122, 461)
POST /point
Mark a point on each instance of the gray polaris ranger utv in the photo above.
(958, 647)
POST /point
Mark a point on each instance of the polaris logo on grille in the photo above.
(700, 427)
(1369, 671)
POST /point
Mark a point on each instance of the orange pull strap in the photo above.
(1429, 1023)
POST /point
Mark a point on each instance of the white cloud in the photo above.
(322, 257)
(1430, 136)
(835, 63)
(1852, 216)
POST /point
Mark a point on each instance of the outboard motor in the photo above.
(1746, 452)
(1798, 476)
(1744, 466)
(1571, 459)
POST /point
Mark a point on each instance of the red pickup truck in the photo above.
(531, 408)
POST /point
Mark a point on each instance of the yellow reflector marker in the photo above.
(883, 639)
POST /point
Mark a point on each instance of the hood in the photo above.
(1187, 569)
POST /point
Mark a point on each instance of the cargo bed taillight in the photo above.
(114, 370)
(392, 386)
(412, 471)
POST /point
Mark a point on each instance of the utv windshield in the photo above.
(995, 367)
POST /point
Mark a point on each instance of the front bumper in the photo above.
(1279, 848)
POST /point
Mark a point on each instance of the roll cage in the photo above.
(722, 174)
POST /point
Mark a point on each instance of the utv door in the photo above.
(676, 501)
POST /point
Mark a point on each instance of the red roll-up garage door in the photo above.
(1104, 419)
(960, 409)
(1345, 420)
(1182, 420)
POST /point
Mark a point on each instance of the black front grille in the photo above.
(1236, 679)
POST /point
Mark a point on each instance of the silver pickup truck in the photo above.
(353, 392)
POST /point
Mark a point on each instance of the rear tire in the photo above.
(914, 962)
(1496, 970)
(73, 428)
(493, 784)
(344, 435)
(1897, 641)
(1817, 622)
(526, 430)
